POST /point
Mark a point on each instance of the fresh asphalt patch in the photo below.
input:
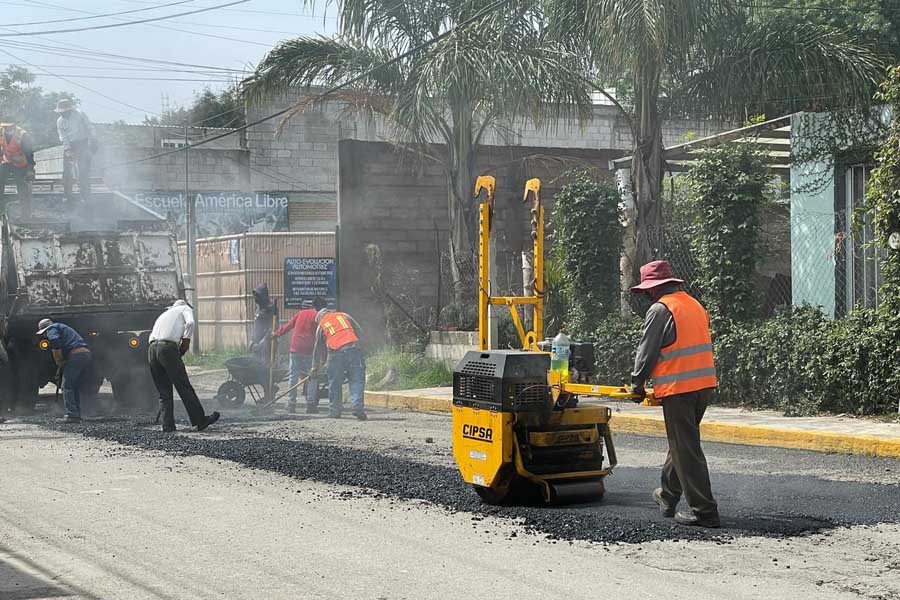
(751, 505)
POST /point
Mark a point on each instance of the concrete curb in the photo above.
(712, 431)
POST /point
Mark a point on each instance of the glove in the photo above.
(639, 393)
(185, 346)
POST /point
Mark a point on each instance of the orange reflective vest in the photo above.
(11, 150)
(338, 330)
(687, 365)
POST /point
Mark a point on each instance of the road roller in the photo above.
(521, 433)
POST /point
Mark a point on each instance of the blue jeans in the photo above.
(349, 363)
(75, 368)
(300, 366)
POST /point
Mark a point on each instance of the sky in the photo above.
(222, 43)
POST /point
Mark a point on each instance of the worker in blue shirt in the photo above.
(73, 357)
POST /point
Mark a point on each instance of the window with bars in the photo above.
(857, 258)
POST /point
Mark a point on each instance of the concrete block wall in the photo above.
(402, 208)
(302, 157)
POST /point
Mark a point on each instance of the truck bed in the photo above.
(104, 258)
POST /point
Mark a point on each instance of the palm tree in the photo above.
(708, 58)
(488, 74)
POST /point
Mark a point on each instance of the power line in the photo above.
(129, 69)
(112, 25)
(99, 16)
(236, 28)
(260, 12)
(125, 78)
(210, 35)
(75, 83)
(198, 33)
(484, 12)
(68, 51)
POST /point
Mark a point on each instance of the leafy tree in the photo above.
(708, 57)
(209, 109)
(587, 242)
(729, 188)
(29, 105)
(874, 20)
(495, 70)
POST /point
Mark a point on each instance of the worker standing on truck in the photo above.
(169, 342)
(16, 161)
(303, 328)
(76, 133)
(73, 359)
(676, 351)
(340, 334)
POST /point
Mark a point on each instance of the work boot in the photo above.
(685, 517)
(69, 420)
(334, 415)
(312, 410)
(292, 407)
(666, 508)
(169, 429)
(210, 419)
(360, 414)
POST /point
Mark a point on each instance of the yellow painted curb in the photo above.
(406, 402)
(728, 433)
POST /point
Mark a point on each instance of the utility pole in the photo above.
(193, 295)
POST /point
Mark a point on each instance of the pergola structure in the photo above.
(772, 137)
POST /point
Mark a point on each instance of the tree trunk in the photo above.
(461, 206)
(647, 171)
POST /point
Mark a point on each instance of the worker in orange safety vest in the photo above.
(16, 161)
(341, 334)
(676, 351)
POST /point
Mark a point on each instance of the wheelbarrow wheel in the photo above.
(231, 394)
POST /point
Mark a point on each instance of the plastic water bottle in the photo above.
(559, 355)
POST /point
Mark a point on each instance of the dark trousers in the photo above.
(75, 367)
(167, 369)
(345, 363)
(685, 471)
(23, 190)
(77, 161)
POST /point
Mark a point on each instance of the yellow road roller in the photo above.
(519, 432)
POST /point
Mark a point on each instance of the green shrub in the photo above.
(412, 371)
(799, 362)
(803, 363)
(729, 187)
(615, 340)
(587, 243)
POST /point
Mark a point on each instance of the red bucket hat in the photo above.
(655, 274)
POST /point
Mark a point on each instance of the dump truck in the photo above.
(107, 270)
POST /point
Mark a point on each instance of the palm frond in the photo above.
(779, 66)
(305, 62)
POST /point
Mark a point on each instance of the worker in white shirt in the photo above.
(169, 342)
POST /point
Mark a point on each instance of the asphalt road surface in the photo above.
(310, 507)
